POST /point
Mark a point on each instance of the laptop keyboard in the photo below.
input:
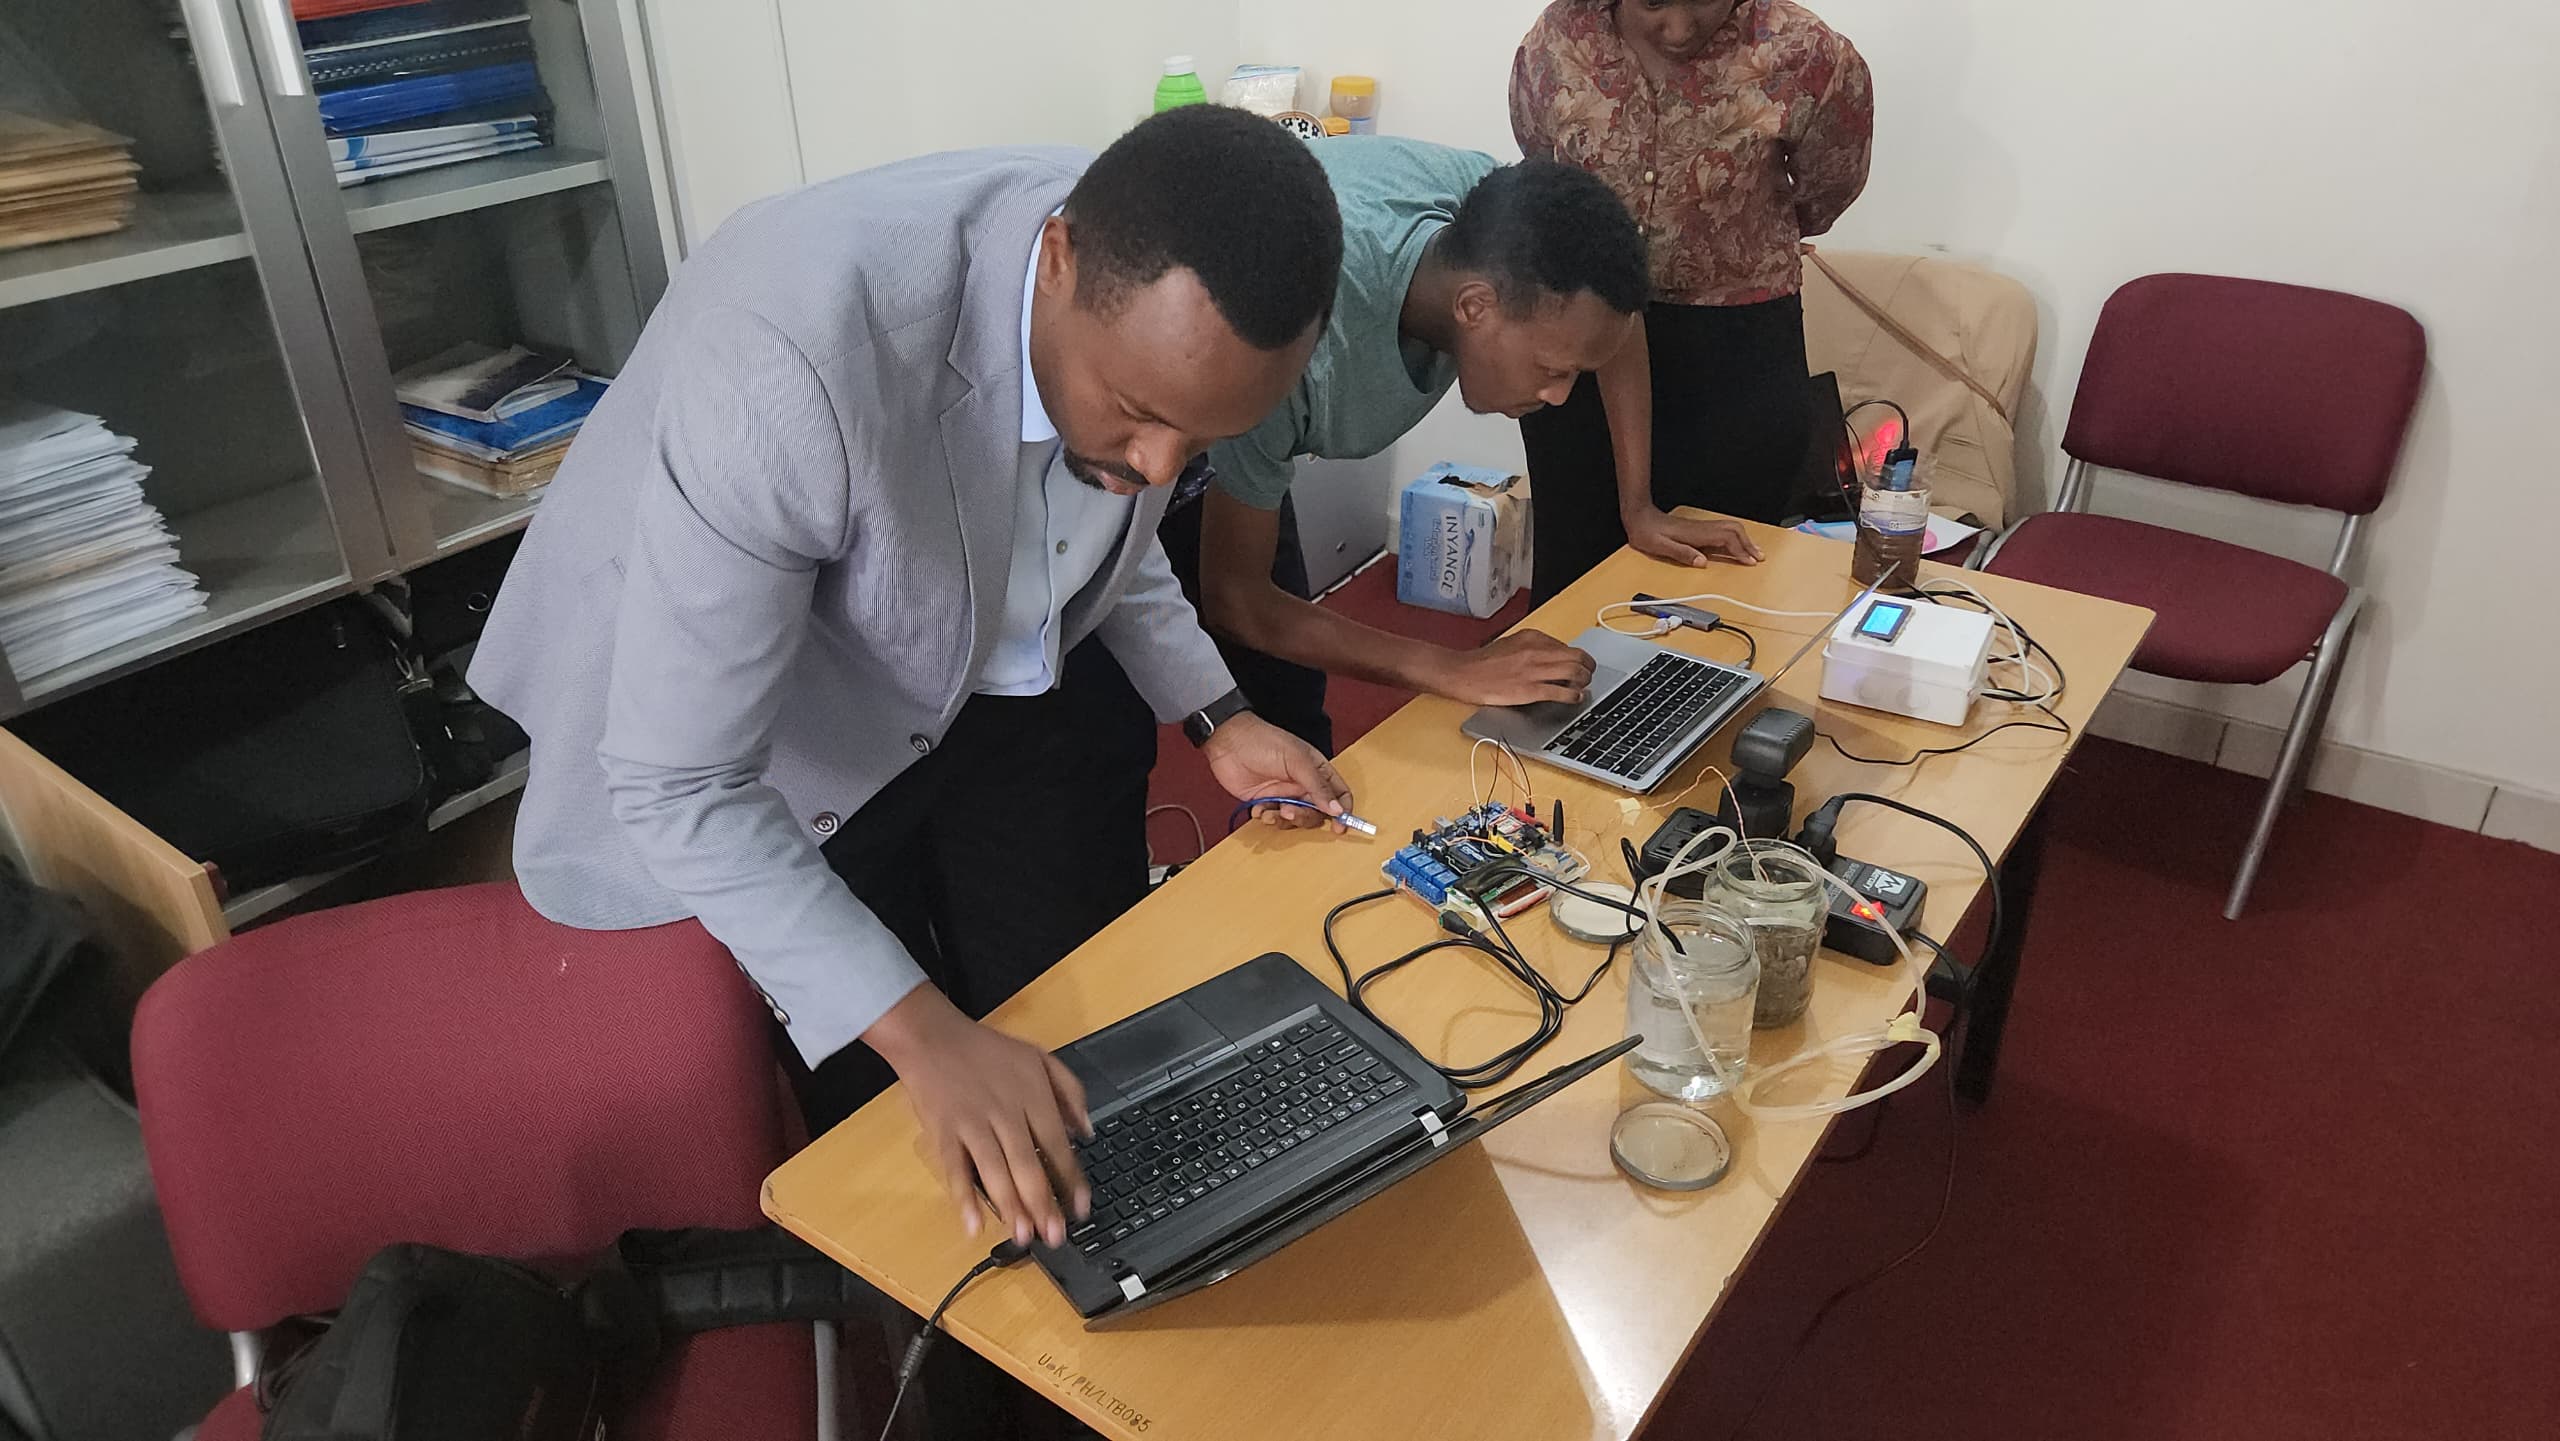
(1647, 711)
(1153, 1159)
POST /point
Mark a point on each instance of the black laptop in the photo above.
(1240, 1115)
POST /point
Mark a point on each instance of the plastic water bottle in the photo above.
(1893, 524)
(1180, 85)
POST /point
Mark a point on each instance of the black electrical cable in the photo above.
(1858, 446)
(1852, 413)
(1875, 1128)
(2059, 727)
(1822, 1313)
(1857, 475)
(1002, 1256)
(1962, 1004)
(1751, 646)
(1965, 975)
(1464, 936)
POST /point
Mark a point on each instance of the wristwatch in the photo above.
(1204, 722)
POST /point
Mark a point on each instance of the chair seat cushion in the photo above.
(236, 1419)
(2227, 614)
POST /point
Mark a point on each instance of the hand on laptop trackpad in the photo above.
(1550, 715)
(1554, 715)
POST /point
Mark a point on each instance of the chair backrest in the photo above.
(2275, 391)
(445, 1067)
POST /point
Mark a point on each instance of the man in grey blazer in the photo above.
(802, 631)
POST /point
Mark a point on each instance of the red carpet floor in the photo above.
(2295, 1176)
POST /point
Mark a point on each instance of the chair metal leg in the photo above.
(830, 1414)
(2311, 755)
(1987, 545)
(2309, 713)
(1985, 555)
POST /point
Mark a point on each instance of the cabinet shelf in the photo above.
(249, 906)
(259, 556)
(463, 519)
(181, 228)
(472, 185)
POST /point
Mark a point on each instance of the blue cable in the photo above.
(1244, 809)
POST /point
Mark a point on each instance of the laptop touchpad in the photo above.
(1137, 1052)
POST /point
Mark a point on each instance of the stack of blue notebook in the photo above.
(507, 457)
(415, 86)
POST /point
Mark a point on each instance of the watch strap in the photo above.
(1204, 722)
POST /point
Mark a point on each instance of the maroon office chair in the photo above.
(2276, 392)
(449, 1067)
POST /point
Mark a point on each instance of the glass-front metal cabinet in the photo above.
(228, 228)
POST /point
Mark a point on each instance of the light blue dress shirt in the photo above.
(1064, 532)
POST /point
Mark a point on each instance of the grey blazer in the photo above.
(769, 570)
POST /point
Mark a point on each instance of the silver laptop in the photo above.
(1649, 708)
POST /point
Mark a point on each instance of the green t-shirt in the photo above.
(1365, 385)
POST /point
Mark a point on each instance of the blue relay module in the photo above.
(1458, 858)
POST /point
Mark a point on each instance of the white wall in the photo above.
(879, 79)
(2362, 144)
(724, 106)
(765, 94)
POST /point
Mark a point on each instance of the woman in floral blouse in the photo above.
(1733, 130)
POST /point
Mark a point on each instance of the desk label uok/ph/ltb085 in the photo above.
(1063, 1375)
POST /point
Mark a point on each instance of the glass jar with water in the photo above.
(1692, 1002)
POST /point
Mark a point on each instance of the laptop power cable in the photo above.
(1005, 1254)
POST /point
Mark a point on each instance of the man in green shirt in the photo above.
(1506, 281)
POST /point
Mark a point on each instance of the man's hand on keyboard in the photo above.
(994, 1109)
(1520, 668)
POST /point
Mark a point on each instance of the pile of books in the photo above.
(409, 85)
(494, 421)
(62, 181)
(86, 561)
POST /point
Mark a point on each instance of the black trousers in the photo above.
(1017, 839)
(950, 857)
(1730, 430)
(1289, 695)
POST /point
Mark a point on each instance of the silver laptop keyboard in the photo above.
(1648, 711)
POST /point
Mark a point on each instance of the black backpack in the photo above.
(436, 1345)
(285, 751)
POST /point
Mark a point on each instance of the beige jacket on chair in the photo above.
(1951, 343)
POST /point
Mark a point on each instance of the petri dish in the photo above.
(1591, 921)
(1670, 1147)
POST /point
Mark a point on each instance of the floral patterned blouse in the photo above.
(1759, 143)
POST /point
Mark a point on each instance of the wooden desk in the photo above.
(1521, 1288)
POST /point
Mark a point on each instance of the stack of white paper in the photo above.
(86, 560)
